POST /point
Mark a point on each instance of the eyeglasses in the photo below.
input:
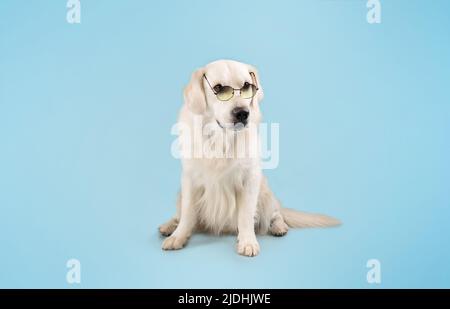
(225, 93)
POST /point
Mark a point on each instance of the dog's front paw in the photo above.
(169, 227)
(248, 247)
(174, 242)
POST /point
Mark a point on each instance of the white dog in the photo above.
(226, 192)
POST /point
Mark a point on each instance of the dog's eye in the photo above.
(217, 88)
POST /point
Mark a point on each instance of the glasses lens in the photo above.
(225, 93)
(248, 91)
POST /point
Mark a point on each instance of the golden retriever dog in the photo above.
(223, 189)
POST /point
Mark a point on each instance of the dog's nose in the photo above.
(240, 114)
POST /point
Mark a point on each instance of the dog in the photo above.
(227, 194)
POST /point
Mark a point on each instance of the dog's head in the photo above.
(227, 92)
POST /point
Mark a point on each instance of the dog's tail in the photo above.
(299, 219)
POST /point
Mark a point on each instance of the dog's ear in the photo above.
(194, 93)
(254, 72)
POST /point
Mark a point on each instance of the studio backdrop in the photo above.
(356, 110)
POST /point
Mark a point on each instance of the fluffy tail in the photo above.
(295, 218)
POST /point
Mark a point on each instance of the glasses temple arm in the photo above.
(254, 78)
(204, 75)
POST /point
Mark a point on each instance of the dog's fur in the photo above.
(227, 195)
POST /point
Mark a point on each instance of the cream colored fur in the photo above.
(230, 194)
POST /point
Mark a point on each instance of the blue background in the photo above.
(364, 115)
